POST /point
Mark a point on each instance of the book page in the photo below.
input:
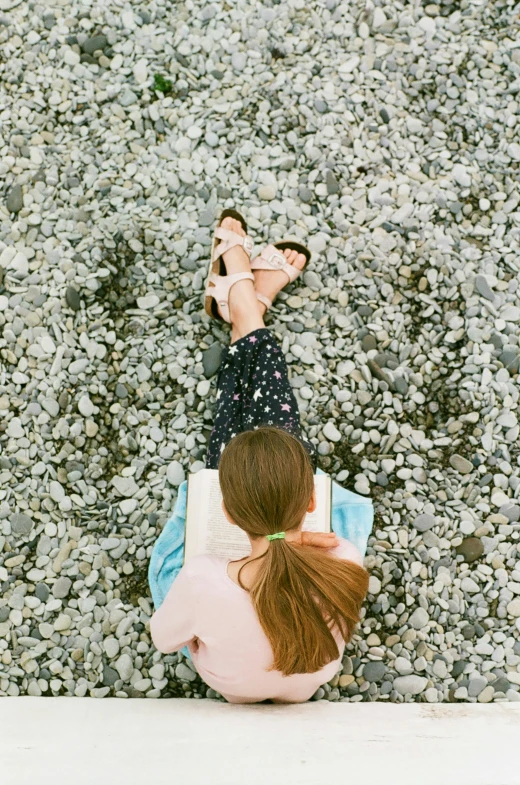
(223, 538)
(210, 532)
(319, 520)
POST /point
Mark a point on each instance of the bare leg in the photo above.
(243, 303)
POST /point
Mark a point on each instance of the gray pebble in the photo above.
(211, 359)
(484, 288)
(461, 464)
(374, 671)
(331, 182)
(419, 619)
(61, 588)
(73, 299)
(21, 524)
(368, 343)
(41, 590)
(14, 199)
(93, 44)
(410, 685)
(424, 522)
(184, 673)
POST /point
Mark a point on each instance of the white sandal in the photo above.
(218, 284)
(272, 258)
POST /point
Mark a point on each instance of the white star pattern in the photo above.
(253, 382)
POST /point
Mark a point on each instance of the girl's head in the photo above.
(299, 592)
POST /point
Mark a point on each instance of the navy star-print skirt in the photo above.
(253, 389)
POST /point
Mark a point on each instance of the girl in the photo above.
(272, 625)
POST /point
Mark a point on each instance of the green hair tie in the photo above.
(277, 536)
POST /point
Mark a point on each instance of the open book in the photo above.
(209, 531)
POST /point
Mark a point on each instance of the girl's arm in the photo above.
(172, 625)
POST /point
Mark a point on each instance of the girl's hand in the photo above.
(316, 539)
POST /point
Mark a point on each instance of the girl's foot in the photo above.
(243, 303)
(270, 282)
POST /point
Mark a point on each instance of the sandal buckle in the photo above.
(277, 260)
(248, 244)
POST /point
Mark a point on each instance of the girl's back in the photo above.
(207, 610)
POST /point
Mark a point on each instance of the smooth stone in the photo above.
(383, 113)
(126, 486)
(203, 388)
(410, 685)
(400, 385)
(476, 685)
(460, 464)
(512, 513)
(127, 98)
(110, 676)
(124, 667)
(471, 549)
(21, 524)
(14, 200)
(510, 359)
(207, 218)
(211, 358)
(57, 492)
(511, 313)
(148, 301)
(111, 646)
(374, 671)
(317, 243)
(484, 288)
(513, 608)
(91, 45)
(305, 194)
(85, 406)
(175, 473)
(368, 343)
(419, 619)
(41, 590)
(184, 673)
(424, 522)
(331, 432)
(331, 183)
(72, 298)
(267, 193)
(121, 391)
(513, 151)
(461, 175)
(61, 588)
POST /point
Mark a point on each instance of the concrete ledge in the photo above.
(134, 742)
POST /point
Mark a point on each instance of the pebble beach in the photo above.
(385, 136)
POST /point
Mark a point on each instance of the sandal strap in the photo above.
(229, 240)
(222, 285)
(271, 258)
(265, 300)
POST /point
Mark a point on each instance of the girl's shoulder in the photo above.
(348, 551)
(204, 565)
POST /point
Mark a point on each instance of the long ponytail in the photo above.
(300, 593)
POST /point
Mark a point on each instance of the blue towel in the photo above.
(352, 519)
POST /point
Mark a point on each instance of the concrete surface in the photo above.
(189, 742)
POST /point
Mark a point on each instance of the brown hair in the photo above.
(299, 592)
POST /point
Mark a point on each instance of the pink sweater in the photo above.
(206, 610)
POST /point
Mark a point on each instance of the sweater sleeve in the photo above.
(348, 551)
(172, 626)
